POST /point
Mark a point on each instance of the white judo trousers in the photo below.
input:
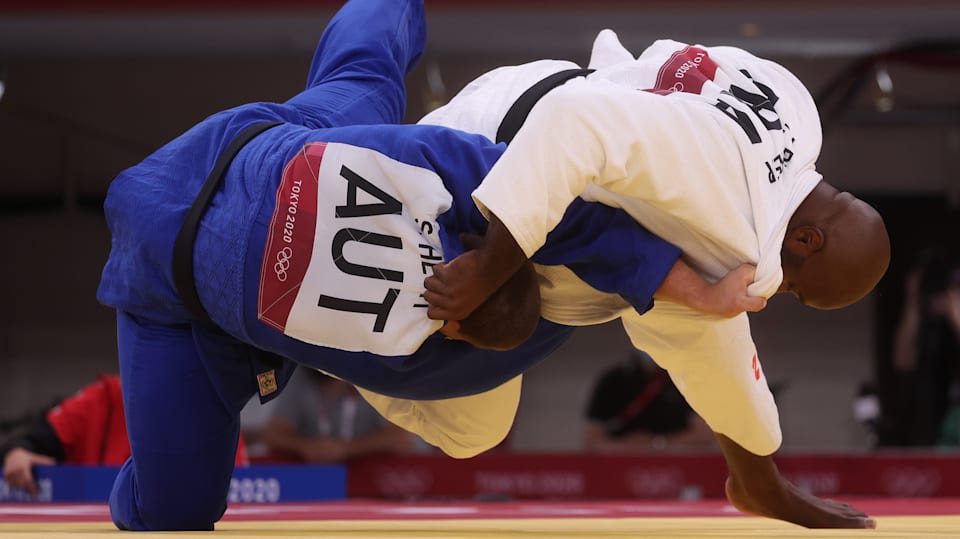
(462, 427)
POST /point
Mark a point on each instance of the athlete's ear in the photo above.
(804, 240)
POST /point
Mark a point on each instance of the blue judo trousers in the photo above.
(185, 380)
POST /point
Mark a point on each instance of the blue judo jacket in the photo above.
(385, 203)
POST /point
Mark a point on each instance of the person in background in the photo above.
(322, 420)
(87, 428)
(635, 407)
(927, 349)
(950, 428)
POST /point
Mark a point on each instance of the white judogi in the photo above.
(692, 143)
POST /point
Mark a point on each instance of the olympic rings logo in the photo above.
(283, 263)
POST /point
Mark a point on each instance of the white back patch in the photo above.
(352, 238)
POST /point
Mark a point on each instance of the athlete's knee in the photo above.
(185, 514)
(177, 513)
(123, 508)
(135, 508)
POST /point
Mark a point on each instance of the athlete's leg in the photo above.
(358, 69)
(183, 431)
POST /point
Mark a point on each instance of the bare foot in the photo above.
(794, 505)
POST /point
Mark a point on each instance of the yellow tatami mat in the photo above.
(641, 528)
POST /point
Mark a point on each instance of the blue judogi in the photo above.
(182, 406)
(185, 380)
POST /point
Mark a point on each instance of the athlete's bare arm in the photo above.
(727, 297)
(755, 486)
(457, 288)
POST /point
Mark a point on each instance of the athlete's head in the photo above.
(508, 317)
(835, 251)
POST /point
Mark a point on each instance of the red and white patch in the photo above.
(687, 70)
(290, 238)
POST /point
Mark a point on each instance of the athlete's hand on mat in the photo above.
(728, 297)
(794, 505)
(755, 486)
(18, 468)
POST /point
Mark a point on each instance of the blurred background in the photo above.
(91, 87)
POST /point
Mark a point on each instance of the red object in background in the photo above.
(687, 476)
(90, 424)
(92, 428)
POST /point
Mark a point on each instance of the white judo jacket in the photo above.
(711, 148)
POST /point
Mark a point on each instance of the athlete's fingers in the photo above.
(437, 282)
(436, 302)
(435, 313)
(440, 307)
(456, 288)
(438, 313)
(754, 304)
(438, 295)
(434, 299)
(746, 273)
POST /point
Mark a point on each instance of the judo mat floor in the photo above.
(912, 518)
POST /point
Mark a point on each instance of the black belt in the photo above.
(183, 246)
(521, 107)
